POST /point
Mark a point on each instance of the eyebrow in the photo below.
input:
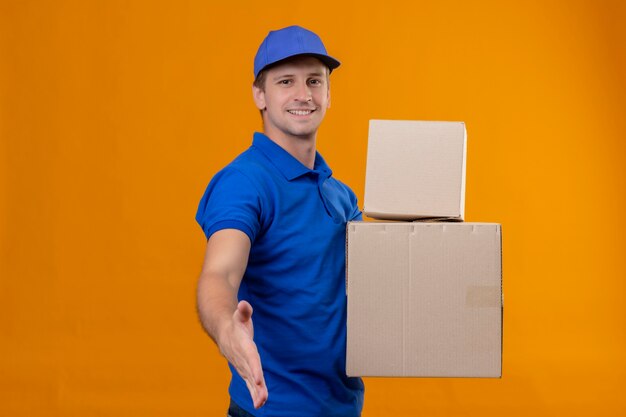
(314, 74)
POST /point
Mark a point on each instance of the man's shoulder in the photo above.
(249, 163)
(248, 168)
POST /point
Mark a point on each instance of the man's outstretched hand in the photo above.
(237, 345)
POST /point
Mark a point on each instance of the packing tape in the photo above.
(481, 296)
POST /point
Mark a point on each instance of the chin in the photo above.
(302, 135)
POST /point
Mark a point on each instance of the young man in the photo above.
(275, 222)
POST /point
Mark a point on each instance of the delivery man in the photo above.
(275, 221)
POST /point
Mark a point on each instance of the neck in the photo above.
(301, 148)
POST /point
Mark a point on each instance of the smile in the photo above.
(300, 112)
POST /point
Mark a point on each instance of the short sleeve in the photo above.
(231, 201)
(356, 213)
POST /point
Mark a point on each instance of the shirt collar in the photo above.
(286, 164)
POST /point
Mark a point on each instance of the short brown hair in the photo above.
(259, 81)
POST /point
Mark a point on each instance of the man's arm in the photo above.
(227, 322)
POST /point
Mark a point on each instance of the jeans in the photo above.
(235, 411)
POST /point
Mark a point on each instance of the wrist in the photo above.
(222, 334)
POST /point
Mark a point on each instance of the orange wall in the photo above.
(115, 114)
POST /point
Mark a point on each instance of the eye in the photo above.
(285, 82)
(315, 81)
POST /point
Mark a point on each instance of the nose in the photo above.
(303, 92)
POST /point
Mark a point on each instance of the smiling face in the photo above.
(294, 98)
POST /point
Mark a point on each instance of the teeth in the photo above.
(300, 112)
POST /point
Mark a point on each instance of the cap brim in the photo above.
(329, 61)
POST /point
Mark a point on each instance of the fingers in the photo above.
(259, 383)
(258, 392)
(251, 372)
(253, 376)
(256, 385)
(261, 396)
(245, 356)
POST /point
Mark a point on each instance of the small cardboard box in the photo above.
(424, 299)
(415, 170)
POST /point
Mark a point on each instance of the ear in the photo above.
(259, 97)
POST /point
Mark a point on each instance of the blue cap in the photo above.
(291, 41)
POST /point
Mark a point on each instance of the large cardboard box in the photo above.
(424, 299)
(415, 169)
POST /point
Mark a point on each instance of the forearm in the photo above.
(216, 303)
(224, 265)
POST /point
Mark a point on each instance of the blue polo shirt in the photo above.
(295, 218)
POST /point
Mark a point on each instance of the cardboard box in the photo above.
(415, 170)
(424, 299)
